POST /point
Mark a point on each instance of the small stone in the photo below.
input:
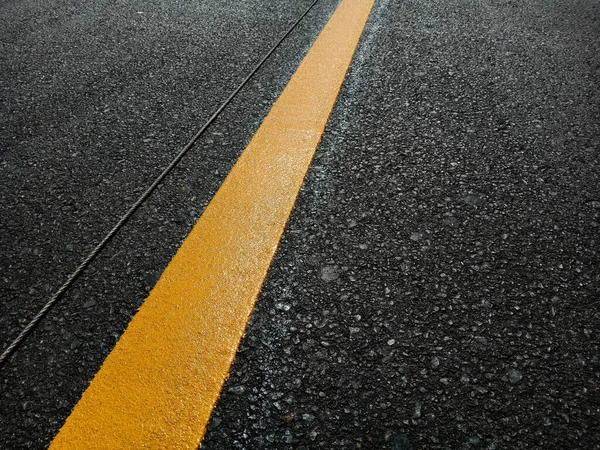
(287, 437)
(400, 442)
(237, 389)
(416, 236)
(480, 340)
(418, 407)
(435, 362)
(391, 342)
(547, 422)
(89, 304)
(474, 440)
(473, 200)
(354, 330)
(329, 273)
(514, 376)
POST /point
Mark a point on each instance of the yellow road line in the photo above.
(157, 388)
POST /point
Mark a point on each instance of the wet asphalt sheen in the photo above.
(437, 285)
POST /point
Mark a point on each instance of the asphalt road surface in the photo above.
(437, 284)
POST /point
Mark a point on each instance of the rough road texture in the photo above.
(208, 49)
(437, 286)
(438, 283)
(96, 98)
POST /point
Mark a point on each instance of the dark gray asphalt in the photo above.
(438, 283)
(46, 377)
(97, 97)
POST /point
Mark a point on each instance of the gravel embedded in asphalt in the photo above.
(45, 378)
(97, 98)
(437, 284)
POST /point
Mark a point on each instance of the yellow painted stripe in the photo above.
(157, 388)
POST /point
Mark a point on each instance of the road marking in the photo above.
(158, 386)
